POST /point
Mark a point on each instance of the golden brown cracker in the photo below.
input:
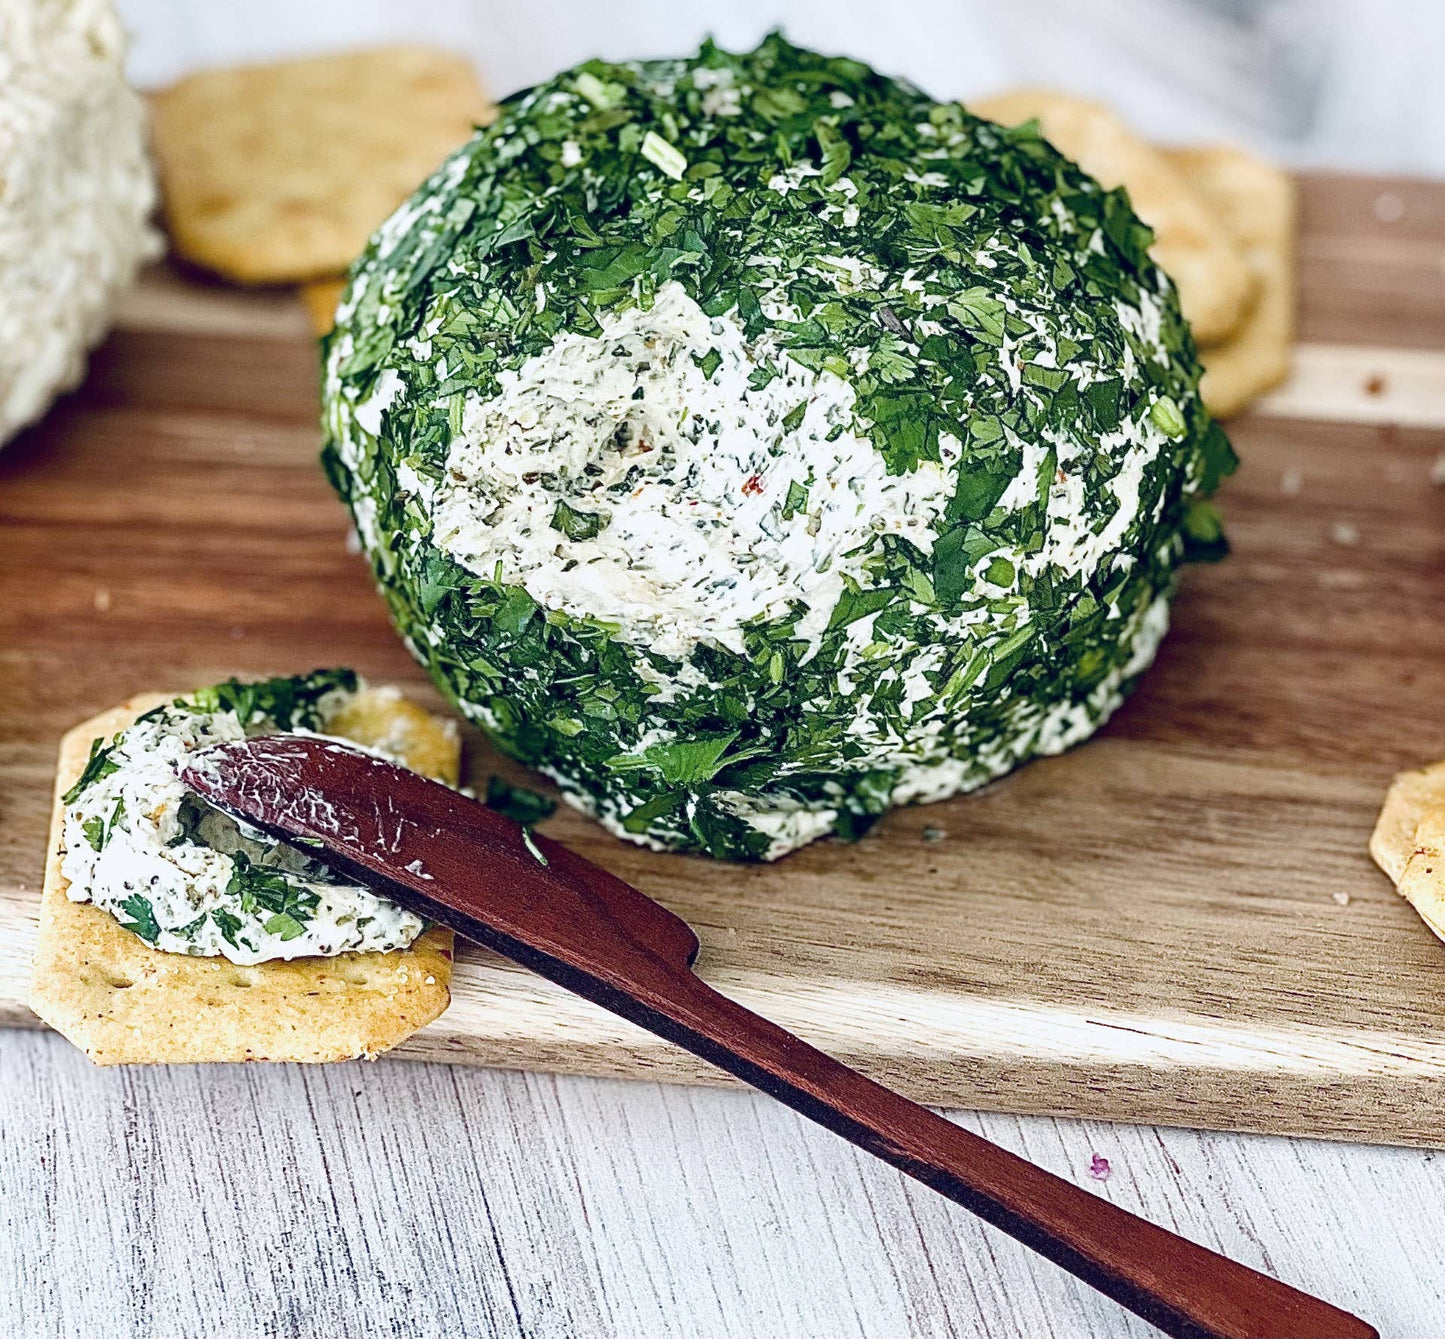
(1257, 204)
(381, 718)
(123, 1002)
(1413, 796)
(1216, 285)
(279, 173)
(1422, 881)
(320, 297)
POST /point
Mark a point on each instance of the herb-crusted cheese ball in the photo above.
(751, 443)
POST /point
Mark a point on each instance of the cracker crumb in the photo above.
(1375, 385)
(1291, 483)
(1389, 207)
(102, 599)
(1343, 533)
(1342, 898)
(237, 632)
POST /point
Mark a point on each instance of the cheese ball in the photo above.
(751, 443)
(76, 192)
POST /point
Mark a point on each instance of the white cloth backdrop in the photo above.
(1348, 83)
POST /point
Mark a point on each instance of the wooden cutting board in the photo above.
(1176, 923)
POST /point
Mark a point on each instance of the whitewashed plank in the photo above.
(416, 1200)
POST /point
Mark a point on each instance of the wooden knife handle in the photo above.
(1183, 1288)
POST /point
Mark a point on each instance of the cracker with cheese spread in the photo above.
(279, 173)
(99, 981)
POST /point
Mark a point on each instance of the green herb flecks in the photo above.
(99, 764)
(98, 828)
(142, 920)
(261, 890)
(288, 703)
(576, 524)
(517, 802)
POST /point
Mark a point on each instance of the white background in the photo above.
(1348, 83)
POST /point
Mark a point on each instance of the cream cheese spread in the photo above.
(76, 193)
(189, 879)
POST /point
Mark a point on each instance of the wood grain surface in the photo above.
(407, 1201)
(1150, 928)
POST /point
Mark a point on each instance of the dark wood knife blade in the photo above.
(454, 861)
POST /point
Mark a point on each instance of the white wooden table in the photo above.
(423, 1200)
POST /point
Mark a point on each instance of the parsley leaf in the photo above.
(577, 524)
(262, 889)
(681, 762)
(837, 152)
(228, 924)
(142, 918)
(99, 828)
(979, 312)
(99, 764)
(517, 802)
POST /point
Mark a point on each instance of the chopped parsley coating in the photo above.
(751, 443)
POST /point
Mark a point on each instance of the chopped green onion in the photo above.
(1166, 417)
(665, 156)
(594, 90)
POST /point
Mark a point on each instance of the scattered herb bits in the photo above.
(751, 443)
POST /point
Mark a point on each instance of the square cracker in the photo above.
(1216, 284)
(1409, 841)
(279, 173)
(1257, 203)
(123, 1002)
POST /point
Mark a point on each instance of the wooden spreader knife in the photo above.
(454, 861)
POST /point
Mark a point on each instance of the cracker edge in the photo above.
(320, 298)
(1422, 881)
(1216, 285)
(123, 1002)
(264, 250)
(1258, 203)
(1411, 798)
